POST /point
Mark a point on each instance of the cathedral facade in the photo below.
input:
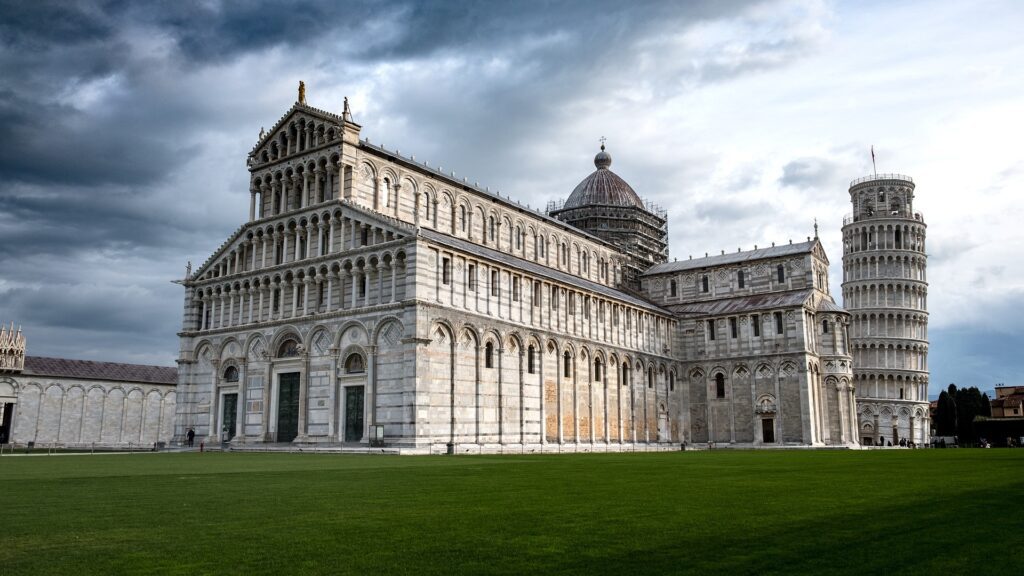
(373, 299)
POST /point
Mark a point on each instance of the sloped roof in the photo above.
(744, 304)
(90, 370)
(1008, 400)
(733, 258)
(539, 270)
(829, 306)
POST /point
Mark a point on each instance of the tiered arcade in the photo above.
(885, 288)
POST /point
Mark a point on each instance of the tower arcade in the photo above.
(885, 289)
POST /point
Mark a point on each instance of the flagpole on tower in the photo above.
(873, 167)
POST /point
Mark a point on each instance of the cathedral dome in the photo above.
(603, 187)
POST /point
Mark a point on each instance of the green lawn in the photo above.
(926, 512)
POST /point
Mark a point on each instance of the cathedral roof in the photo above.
(733, 257)
(90, 370)
(603, 188)
(539, 270)
(745, 304)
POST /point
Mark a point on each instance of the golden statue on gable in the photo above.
(302, 92)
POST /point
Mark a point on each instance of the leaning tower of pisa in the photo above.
(885, 289)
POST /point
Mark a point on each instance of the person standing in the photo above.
(191, 436)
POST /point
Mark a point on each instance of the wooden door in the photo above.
(768, 430)
(353, 413)
(288, 407)
(229, 417)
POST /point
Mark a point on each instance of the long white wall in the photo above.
(75, 413)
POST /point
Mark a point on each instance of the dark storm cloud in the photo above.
(114, 144)
(39, 24)
(58, 144)
(69, 222)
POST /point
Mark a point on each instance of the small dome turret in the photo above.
(603, 159)
(603, 187)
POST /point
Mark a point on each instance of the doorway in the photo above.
(353, 413)
(229, 417)
(768, 430)
(6, 422)
(288, 407)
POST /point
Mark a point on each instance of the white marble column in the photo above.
(295, 298)
(394, 271)
(305, 184)
(330, 235)
(330, 291)
(342, 276)
(340, 182)
(366, 295)
(252, 294)
(259, 312)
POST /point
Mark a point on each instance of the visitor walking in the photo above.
(191, 436)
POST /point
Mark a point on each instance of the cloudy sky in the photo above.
(124, 129)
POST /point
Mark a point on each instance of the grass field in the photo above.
(903, 512)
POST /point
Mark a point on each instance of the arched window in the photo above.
(740, 280)
(492, 228)
(672, 288)
(288, 349)
(625, 374)
(231, 374)
(489, 355)
(354, 364)
(704, 283)
(650, 377)
(385, 190)
(566, 364)
(671, 381)
(780, 271)
(519, 239)
(426, 206)
(530, 359)
(824, 326)
(719, 385)
(597, 369)
(462, 218)
(540, 245)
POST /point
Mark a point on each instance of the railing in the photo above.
(881, 177)
(652, 207)
(851, 218)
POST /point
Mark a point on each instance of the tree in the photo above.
(969, 403)
(945, 414)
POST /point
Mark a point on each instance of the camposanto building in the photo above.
(373, 296)
(64, 403)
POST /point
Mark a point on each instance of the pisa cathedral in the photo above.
(371, 298)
